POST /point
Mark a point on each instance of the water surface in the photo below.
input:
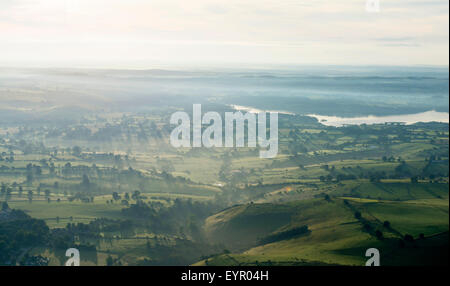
(428, 116)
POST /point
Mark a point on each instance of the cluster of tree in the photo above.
(338, 178)
(127, 129)
(140, 210)
(391, 159)
(183, 217)
(19, 231)
(34, 260)
(82, 197)
(8, 158)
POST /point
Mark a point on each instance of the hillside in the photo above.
(337, 234)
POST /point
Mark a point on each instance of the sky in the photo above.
(146, 33)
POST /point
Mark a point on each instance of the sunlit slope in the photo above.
(337, 235)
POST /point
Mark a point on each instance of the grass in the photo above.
(83, 212)
(80, 212)
(411, 218)
(285, 193)
(336, 236)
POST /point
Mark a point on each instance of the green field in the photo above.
(113, 186)
(336, 237)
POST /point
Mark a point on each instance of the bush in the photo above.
(379, 234)
(409, 238)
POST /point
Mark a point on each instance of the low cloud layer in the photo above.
(118, 32)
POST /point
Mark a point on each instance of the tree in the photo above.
(85, 183)
(3, 189)
(379, 234)
(109, 261)
(409, 238)
(76, 151)
(386, 224)
(52, 168)
(357, 215)
(38, 170)
(136, 195)
(8, 193)
(29, 178)
(30, 196)
(116, 196)
(5, 206)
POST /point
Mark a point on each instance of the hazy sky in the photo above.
(138, 32)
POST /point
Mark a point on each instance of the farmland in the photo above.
(105, 179)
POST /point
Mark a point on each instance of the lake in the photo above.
(428, 116)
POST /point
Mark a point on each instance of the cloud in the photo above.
(291, 31)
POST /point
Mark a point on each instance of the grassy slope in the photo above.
(336, 236)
